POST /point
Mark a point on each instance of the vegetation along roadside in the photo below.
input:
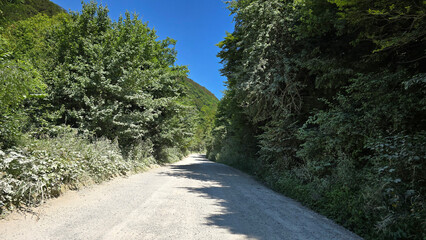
(325, 102)
(85, 98)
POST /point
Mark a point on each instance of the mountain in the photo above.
(199, 96)
(206, 104)
(15, 10)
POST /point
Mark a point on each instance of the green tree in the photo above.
(325, 102)
(19, 81)
(115, 78)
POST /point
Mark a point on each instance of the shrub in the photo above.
(45, 167)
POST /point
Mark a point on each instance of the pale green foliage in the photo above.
(263, 75)
(46, 167)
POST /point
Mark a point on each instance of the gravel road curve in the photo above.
(192, 199)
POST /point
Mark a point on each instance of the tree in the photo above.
(332, 94)
(19, 81)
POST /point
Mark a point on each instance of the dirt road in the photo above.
(192, 199)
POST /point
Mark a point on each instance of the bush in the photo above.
(170, 155)
(45, 167)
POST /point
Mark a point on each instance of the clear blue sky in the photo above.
(197, 25)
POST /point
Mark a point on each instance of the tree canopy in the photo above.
(325, 102)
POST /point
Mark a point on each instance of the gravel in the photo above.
(192, 199)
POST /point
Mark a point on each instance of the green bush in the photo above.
(170, 155)
(43, 168)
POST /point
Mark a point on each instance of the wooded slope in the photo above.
(15, 10)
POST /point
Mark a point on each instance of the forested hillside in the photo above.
(206, 105)
(326, 104)
(199, 95)
(15, 10)
(84, 98)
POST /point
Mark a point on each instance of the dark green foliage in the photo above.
(15, 10)
(331, 95)
(234, 137)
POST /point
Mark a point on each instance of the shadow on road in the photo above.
(250, 210)
(238, 213)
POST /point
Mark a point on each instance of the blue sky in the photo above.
(197, 25)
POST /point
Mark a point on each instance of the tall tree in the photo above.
(332, 93)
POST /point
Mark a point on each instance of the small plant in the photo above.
(45, 167)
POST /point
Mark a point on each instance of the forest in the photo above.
(325, 103)
(85, 98)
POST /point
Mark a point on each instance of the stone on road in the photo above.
(192, 199)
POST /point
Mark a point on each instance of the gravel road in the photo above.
(191, 199)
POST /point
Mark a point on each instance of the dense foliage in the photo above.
(15, 10)
(46, 167)
(18, 80)
(326, 103)
(205, 104)
(85, 98)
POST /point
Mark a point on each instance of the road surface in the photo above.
(191, 199)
